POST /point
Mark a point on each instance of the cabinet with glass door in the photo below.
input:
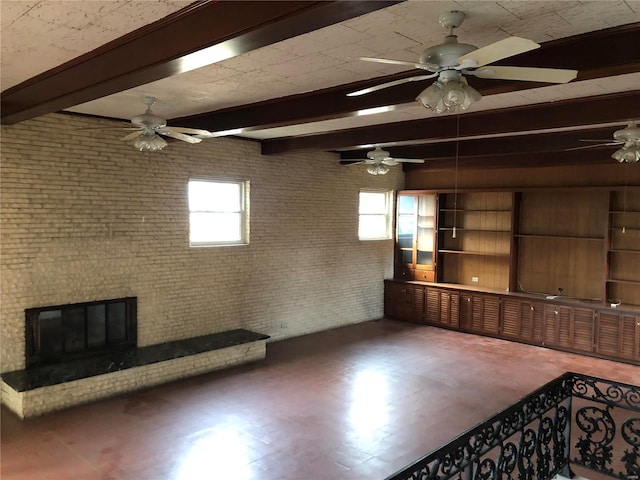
(415, 236)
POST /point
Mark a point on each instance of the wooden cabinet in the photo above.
(522, 320)
(442, 307)
(552, 323)
(404, 301)
(474, 238)
(480, 313)
(618, 335)
(416, 236)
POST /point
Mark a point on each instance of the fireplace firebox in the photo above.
(67, 332)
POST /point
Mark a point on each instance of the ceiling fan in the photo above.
(378, 161)
(628, 137)
(150, 127)
(451, 60)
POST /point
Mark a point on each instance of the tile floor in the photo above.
(358, 402)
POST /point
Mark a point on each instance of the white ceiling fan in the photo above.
(150, 127)
(628, 138)
(378, 161)
(451, 60)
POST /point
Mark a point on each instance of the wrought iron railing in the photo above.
(572, 420)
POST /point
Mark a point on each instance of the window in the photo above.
(218, 213)
(375, 215)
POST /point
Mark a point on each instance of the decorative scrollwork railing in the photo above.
(569, 421)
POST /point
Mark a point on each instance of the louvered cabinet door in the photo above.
(630, 341)
(583, 329)
(466, 312)
(442, 308)
(485, 314)
(536, 310)
(617, 335)
(557, 326)
(454, 309)
(433, 306)
(511, 319)
(491, 315)
(404, 301)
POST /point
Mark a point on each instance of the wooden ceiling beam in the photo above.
(597, 54)
(205, 32)
(516, 144)
(522, 160)
(562, 114)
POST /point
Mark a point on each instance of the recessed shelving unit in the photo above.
(474, 238)
(623, 248)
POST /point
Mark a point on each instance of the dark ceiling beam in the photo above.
(522, 160)
(597, 54)
(205, 32)
(565, 113)
(516, 144)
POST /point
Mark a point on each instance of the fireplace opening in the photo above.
(67, 332)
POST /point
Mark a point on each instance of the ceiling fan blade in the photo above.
(593, 146)
(133, 135)
(529, 74)
(391, 84)
(497, 51)
(408, 160)
(192, 131)
(353, 162)
(390, 162)
(179, 136)
(424, 66)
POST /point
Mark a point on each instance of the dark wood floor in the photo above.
(358, 402)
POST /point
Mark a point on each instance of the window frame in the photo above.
(389, 202)
(243, 212)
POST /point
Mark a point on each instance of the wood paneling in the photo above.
(511, 177)
(561, 243)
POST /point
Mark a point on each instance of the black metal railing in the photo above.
(572, 420)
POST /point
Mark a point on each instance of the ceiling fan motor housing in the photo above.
(446, 54)
(378, 154)
(629, 134)
(149, 120)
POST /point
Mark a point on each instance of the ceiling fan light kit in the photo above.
(452, 96)
(451, 60)
(629, 153)
(149, 142)
(378, 169)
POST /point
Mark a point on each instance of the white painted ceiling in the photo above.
(37, 35)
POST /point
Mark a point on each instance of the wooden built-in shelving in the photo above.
(581, 243)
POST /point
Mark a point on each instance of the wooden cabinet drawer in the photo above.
(423, 275)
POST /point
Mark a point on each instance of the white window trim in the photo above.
(244, 213)
(389, 200)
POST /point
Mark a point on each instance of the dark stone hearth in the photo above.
(23, 380)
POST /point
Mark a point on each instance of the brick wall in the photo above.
(87, 217)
